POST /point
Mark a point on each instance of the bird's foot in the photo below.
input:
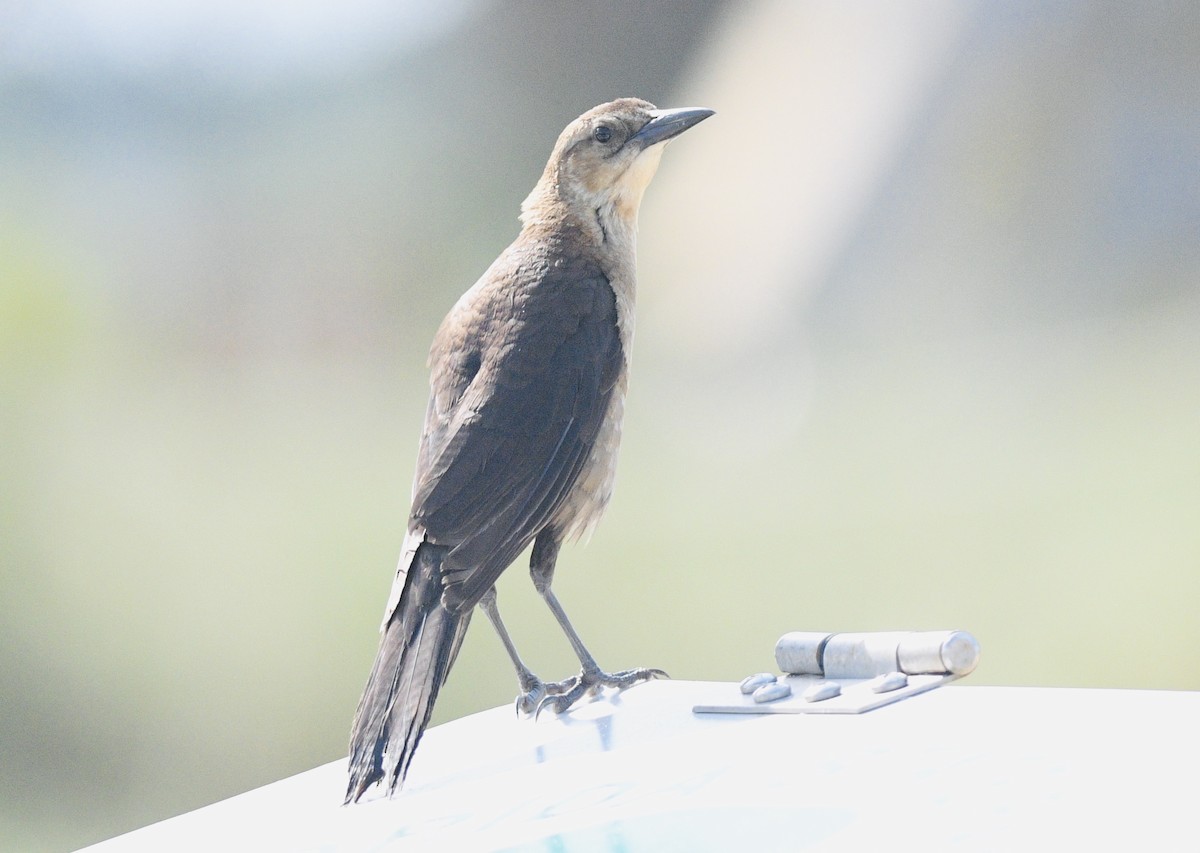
(535, 692)
(562, 695)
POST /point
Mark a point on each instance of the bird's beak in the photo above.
(667, 124)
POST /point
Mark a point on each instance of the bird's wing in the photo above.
(511, 424)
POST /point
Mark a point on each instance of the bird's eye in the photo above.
(602, 133)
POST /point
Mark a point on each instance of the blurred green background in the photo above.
(918, 347)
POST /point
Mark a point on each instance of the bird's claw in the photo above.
(533, 695)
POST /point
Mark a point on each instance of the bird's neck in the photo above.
(607, 223)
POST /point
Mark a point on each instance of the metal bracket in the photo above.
(851, 673)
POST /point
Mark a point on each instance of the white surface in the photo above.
(961, 768)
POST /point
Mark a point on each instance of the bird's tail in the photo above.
(419, 643)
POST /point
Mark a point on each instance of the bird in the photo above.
(528, 376)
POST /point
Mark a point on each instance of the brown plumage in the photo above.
(528, 378)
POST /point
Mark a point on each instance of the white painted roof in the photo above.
(960, 768)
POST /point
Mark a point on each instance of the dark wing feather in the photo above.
(511, 424)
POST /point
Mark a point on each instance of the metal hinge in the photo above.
(851, 673)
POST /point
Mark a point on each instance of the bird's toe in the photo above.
(562, 702)
(630, 677)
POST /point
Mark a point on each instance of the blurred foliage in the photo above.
(979, 410)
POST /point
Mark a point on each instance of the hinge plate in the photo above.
(856, 696)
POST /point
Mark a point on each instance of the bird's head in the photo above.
(604, 160)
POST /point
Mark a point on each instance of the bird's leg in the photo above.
(562, 695)
(533, 691)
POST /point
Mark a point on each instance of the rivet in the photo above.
(888, 682)
(772, 691)
(822, 690)
(752, 682)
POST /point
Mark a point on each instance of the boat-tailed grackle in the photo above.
(527, 392)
